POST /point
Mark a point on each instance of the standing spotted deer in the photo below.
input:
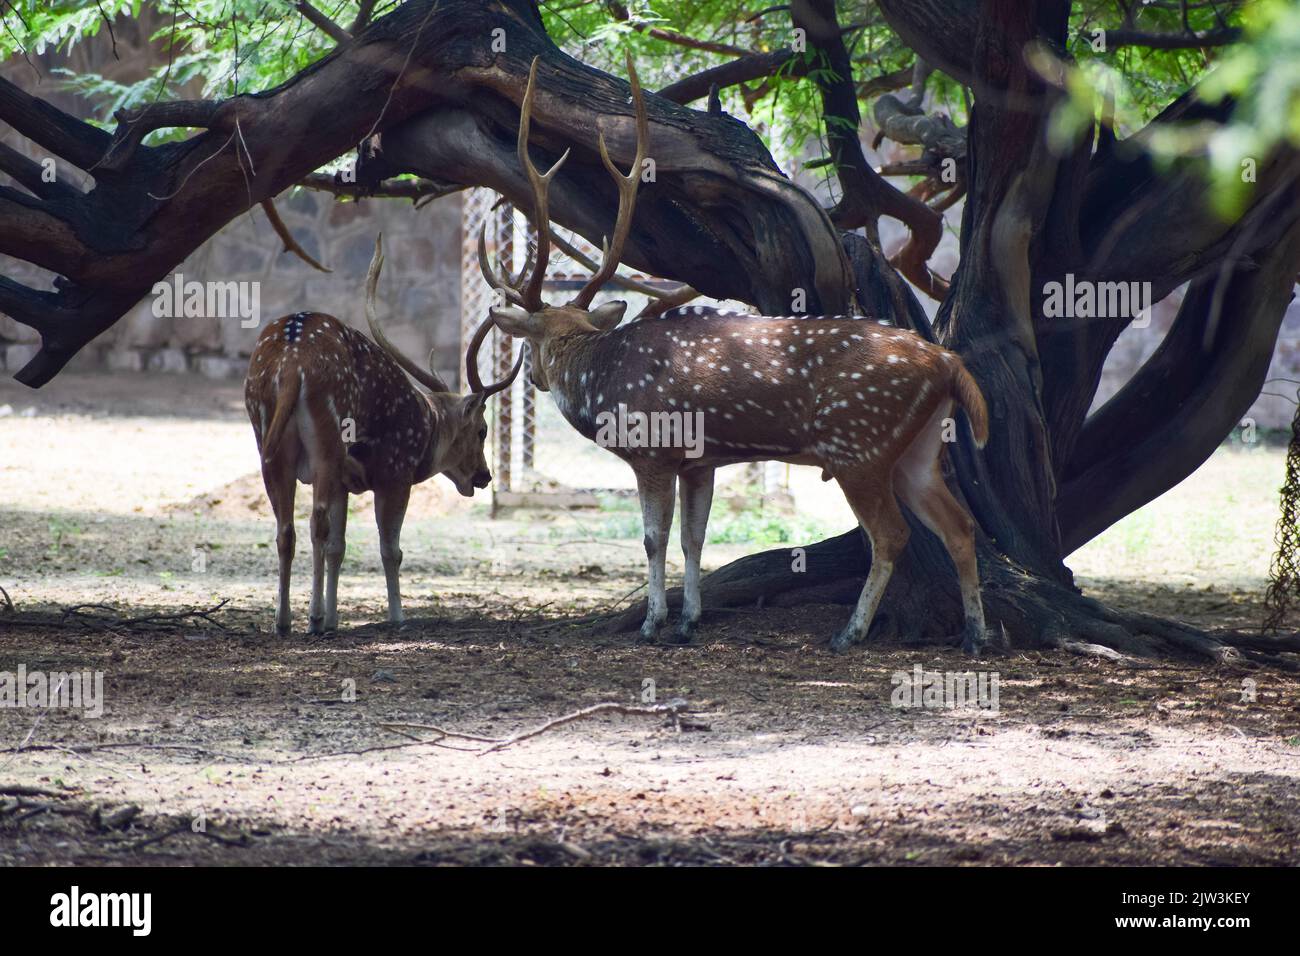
(335, 410)
(864, 401)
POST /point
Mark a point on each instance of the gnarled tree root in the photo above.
(1024, 610)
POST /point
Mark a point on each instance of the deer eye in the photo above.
(482, 433)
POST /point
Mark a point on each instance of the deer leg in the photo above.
(334, 548)
(928, 497)
(390, 510)
(697, 495)
(281, 479)
(323, 497)
(878, 513)
(655, 489)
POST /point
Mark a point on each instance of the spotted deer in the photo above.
(864, 401)
(335, 410)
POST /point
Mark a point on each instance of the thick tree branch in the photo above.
(134, 125)
(744, 69)
(757, 66)
(938, 134)
(322, 22)
(1188, 40)
(35, 309)
(1136, 224)
(418, 191)
(620, 12)
(32, 230)
(30, 175)
(1179, 406)
(50, 128)
(865, 195)
(365, 9)
(1140, 223)
(940, 31)
(751, 234)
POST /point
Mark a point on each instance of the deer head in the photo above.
(527, 316)
(460, 424)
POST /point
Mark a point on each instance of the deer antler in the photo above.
(426, 377)
(532, 292)
(627, 188)
(471, 363)
(509, 285)
(529, 296)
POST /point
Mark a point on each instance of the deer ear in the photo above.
(513, 320)
(605, 317)
(429, 364)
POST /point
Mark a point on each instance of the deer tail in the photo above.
(968, 395)
(285, 402)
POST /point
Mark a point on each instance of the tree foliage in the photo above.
(219, 48)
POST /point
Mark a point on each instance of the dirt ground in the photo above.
(220, 743)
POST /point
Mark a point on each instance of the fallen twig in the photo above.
(399, 727)
(672, 708)
(122, 745)
(202, 613)
(677, 709)
(76, 615)
(381, 747)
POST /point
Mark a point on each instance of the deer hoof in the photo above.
(648, 631)
(972, 641)
(282, 629)
(684, 632)
(316, 625)
(843, 640)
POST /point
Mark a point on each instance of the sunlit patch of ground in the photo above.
(140, 497)
(1199, 552)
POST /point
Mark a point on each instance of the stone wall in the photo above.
(419, 291)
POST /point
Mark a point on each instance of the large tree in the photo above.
(427, 92)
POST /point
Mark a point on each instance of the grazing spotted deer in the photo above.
(334, 410)
(864, 401)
